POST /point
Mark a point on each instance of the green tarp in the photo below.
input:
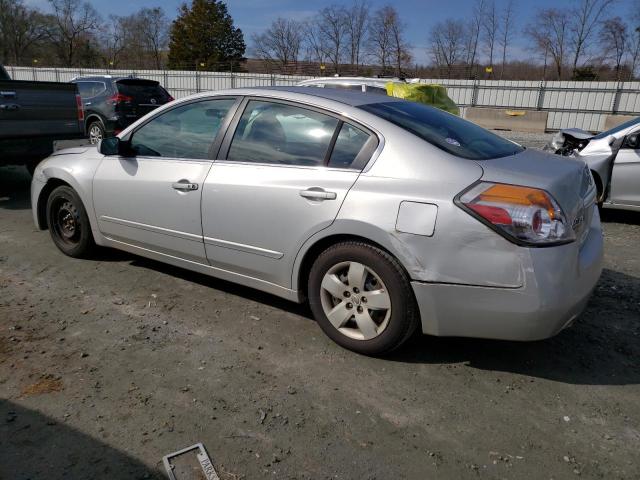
(433, 95)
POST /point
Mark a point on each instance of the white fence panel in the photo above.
(570, 104)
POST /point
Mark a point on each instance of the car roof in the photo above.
(347, 97)
(108, 77)
(358, 80)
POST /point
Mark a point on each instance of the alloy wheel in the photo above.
(355, 300)
(95, 133)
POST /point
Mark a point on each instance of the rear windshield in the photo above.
(444, 130)
(142, 89)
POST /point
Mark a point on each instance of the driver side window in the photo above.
(183, 132)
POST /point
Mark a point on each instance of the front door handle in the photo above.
(7, 94)
(316, 193)
(185, 186)
(86, 104)
(10, 106)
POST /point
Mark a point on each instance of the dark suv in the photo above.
(113, 103)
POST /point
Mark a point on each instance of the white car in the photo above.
(613, 157)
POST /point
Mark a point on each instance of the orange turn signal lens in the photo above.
(522, 214)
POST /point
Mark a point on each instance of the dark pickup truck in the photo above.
(35, 114)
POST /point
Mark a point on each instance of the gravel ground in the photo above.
(108, 364)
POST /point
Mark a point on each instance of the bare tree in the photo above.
(549, 32)
(333, 28)
(399, 45)
(75, 24)
(586, 17)
(506, 30)
(490, 26)
(314, 41)
(154, 28)
(281, 42)
(113, 40)
(473, 34)
(380, 39)
(447, 43)
(357, 22)
(614, 39)
(21, 28)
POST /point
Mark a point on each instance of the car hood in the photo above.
(567, 179)
(72, 151)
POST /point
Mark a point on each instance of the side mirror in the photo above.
(109, 146)
(114, 146)
(633, 141)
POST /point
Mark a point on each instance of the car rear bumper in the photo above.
(558, 283)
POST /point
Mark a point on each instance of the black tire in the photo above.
(95, 129)
(404, 316)
(68, 223)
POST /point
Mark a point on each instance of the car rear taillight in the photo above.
(170, 98)
(79, 108)
(524, 215)
(120, 98)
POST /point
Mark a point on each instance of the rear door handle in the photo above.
(9, 106)
(86, 104)
(316, 193)
(185, 186)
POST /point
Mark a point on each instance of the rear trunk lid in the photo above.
(144, 96)
(567, 179)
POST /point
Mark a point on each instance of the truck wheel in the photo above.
(68, 223)
(96, 132)
(362, 298)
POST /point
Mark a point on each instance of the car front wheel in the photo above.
(68, 223)
(362, 298)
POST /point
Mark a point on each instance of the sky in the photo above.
(252, 16)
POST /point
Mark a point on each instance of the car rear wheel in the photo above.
(362, 298)
(95, 132)
(68, 223)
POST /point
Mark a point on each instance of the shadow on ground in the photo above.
(620, 216)
(15, 186)
(34, 446)
(601, 348)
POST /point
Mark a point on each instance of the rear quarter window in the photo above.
(446, 131)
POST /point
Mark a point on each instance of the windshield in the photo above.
(444, 130)
(619, 128)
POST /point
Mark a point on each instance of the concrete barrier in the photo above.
(611, 121)
(505, 119)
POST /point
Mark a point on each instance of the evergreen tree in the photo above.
(204, 33)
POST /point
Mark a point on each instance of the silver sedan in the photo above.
(387, 216)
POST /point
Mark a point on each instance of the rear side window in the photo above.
(378, 90)
(281, 134)
(444, 130)
(183, 132)
(92, 89)
(339, 86)
(349, 144)
(143, 91)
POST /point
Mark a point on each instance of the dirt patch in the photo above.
(46, 385)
